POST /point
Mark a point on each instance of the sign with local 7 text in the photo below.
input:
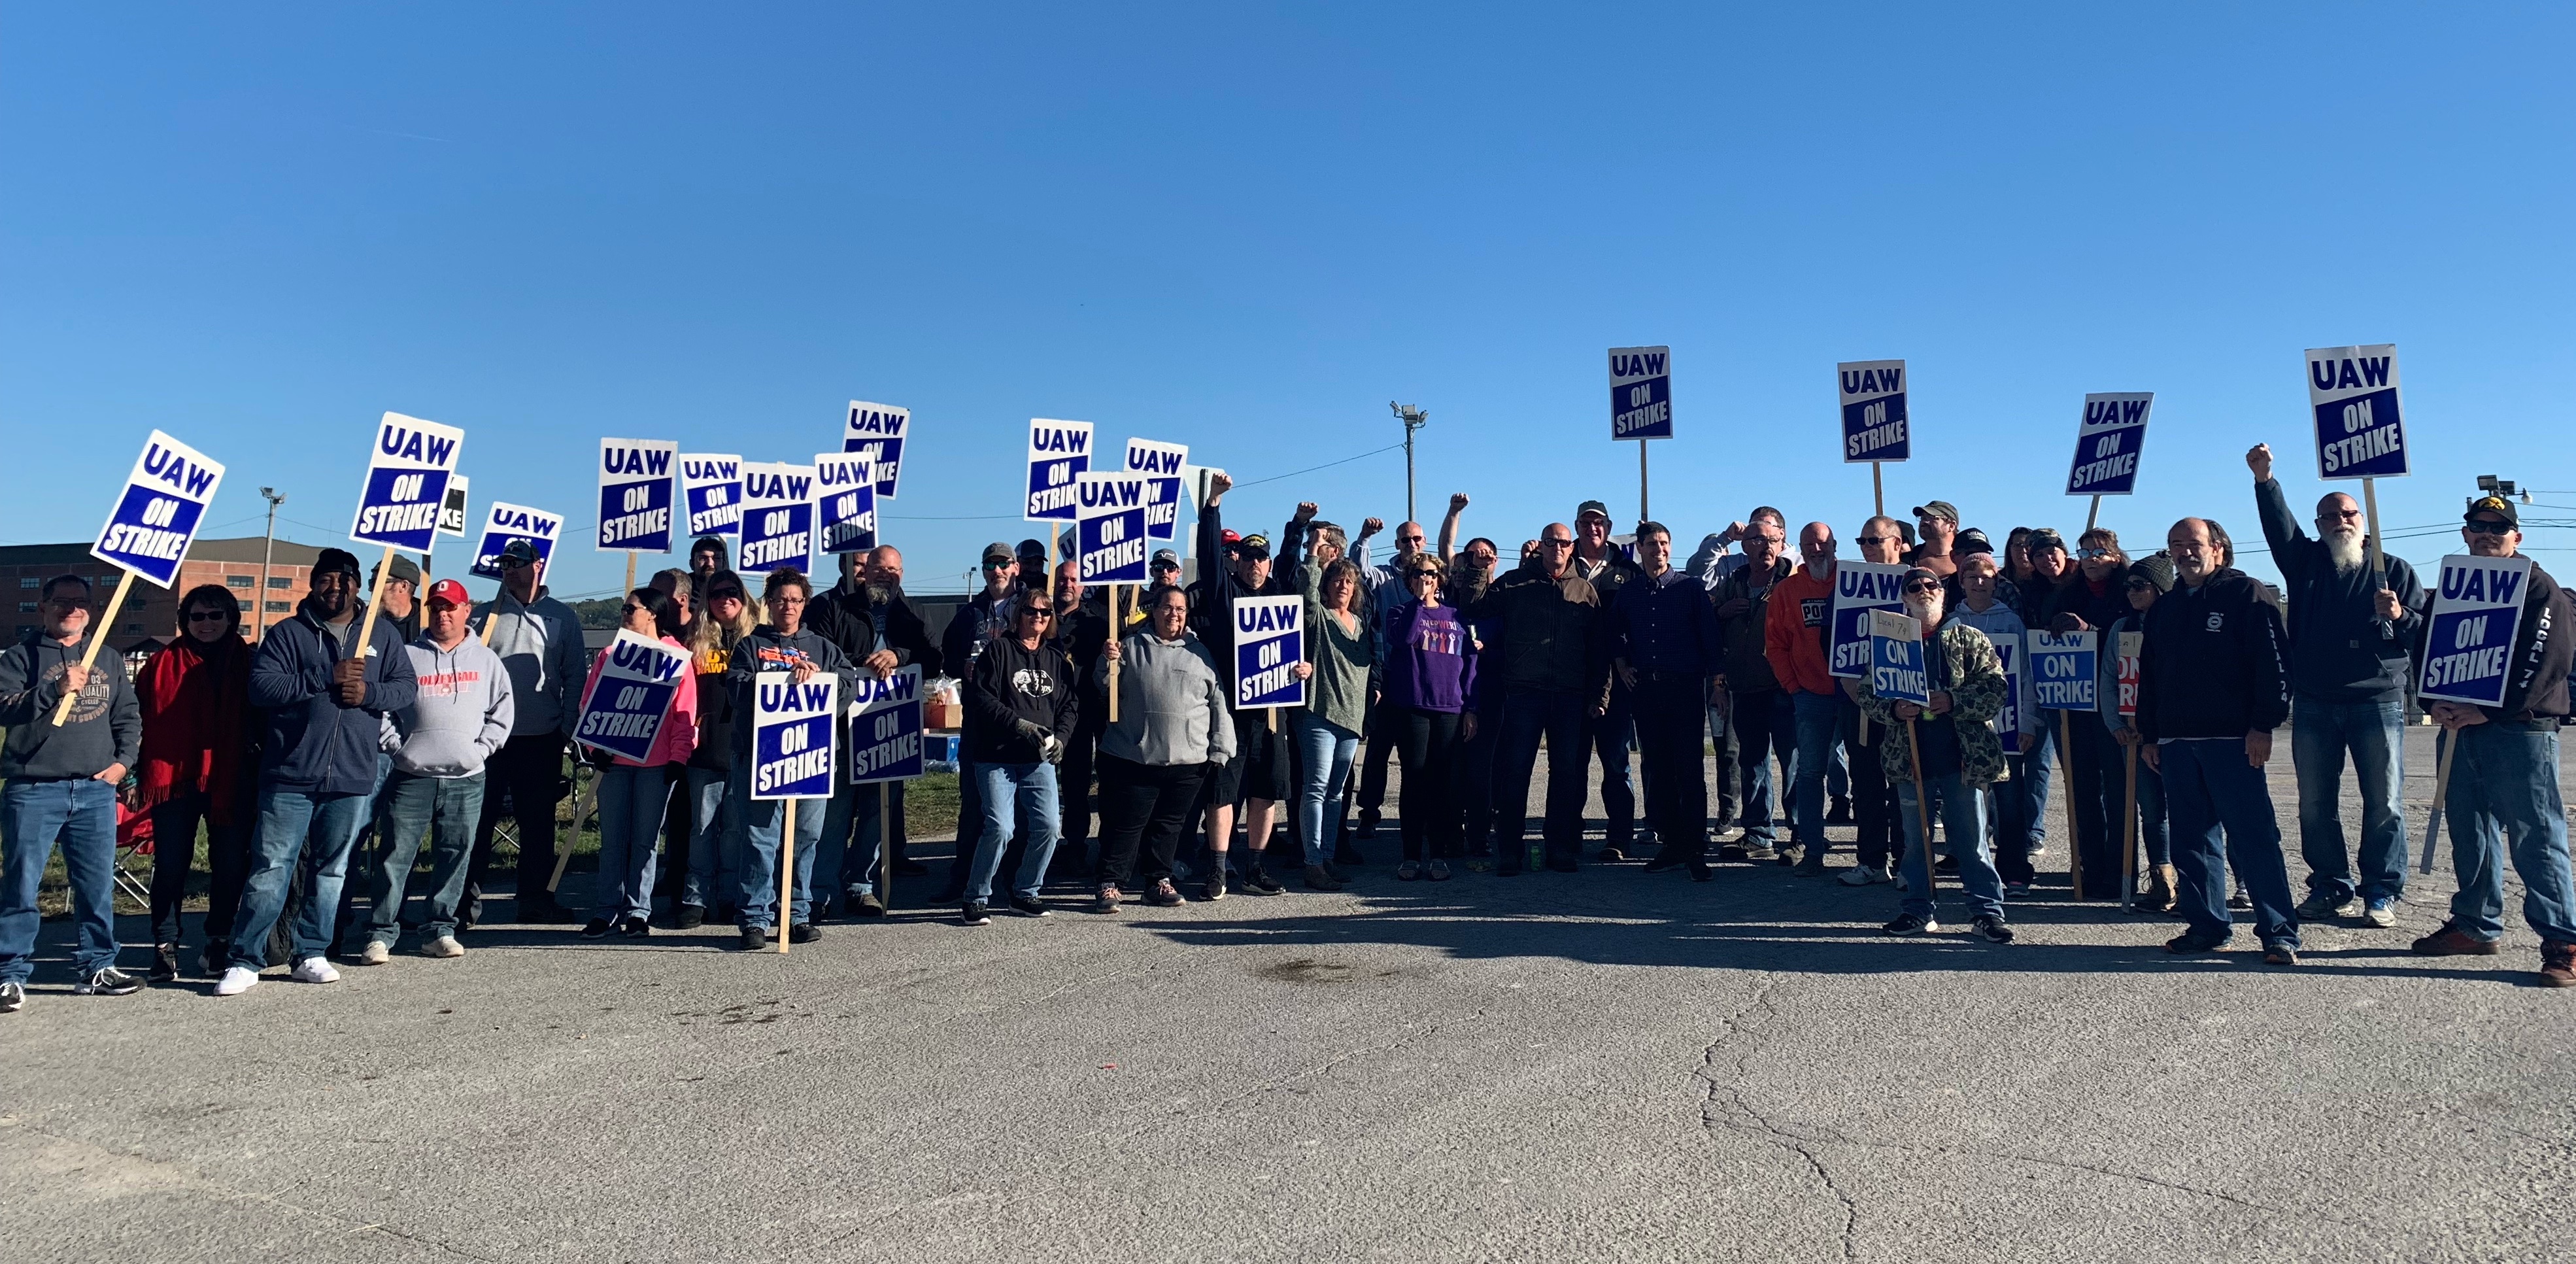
(635, 494)
(1059, 452)
(792, 730)
(1641, 392)
(2007, 721)
(2061, 670)
(886, 728)
(1162, 464)
(623, 713)
(1875, 425)
(711, 484)
(2353, 391)
(1109, 535)
(451, 515)
(845, 502)
(1896, 670)
(407, 473)
(1269, 642)
(876, 431)
(2477, 611)
(777, 517)
(1859, 587)
(2107, 443)
(2124, 671)
(504, 522)
(157, 515)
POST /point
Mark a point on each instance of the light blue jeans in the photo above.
(1962, 820)
(1326, 749)
(1819, 727)
(318, 830)
(715, 852)
(2320, 733)
(1005, 792)
(762, 820)
(2504, 793)
(80, 814)
(630, 828)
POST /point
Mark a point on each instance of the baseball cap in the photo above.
(403, 569)
(449, 591)
(1912, 571)
(2042, 539)
(2494, 505)
(1255, 545)
(1166, 557)
(522, 551)
(1937, 509)
(1972, 540)
(1591, 507)
(1233, 536)
(341, 561)
(999, 552)
(1032, 548)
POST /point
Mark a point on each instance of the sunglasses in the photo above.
(725, 594)
(208, 616)
(629, 608)
(1876, 539)
(997, 566)
(1556, 544)
(512, 563)
(2091, 555)
(1922, 585)
(2487, 526)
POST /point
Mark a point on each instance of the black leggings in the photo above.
(174, 852)
(1427, 741)
(1148, 805)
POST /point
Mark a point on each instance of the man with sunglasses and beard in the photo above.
(1947, 752)
(2351, 634)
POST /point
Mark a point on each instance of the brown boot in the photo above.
(2558, 965)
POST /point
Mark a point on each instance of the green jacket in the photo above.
(1976, 697)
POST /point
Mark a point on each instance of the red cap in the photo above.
(451, 592)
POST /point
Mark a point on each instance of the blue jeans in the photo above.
(1324, 751)
(1766, 728)
(2209, 786)
(1025, 792)
(1528, 715)
(410, 808)
(317, 831)
(2504, 790)
(1962, 820)
(851, 834)
(2320, 733)
(631, 801)
(2021, 807)
(1819, 720)
(762, 820)
(715, 850)
(35, 816)
(1611, 735)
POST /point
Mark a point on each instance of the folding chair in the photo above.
(132, 869)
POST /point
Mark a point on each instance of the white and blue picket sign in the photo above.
(712, 484)
(2354, 393)
(1875, 425)
(635, 494)
(505, 522)
(1109, 536)
(1860, 587)
(886, 729)
(876, 431)
(2107, 443)
(157, 515)
(2007, 722)
(845, 502)
(406, 486)
(1059, 452)
(2477, 611)
(1641, 392)
(1269, 642)
(1896, 669)
(624, 710)
(2061, 670)
(777, 517)
(1161, 464)
(792, 734)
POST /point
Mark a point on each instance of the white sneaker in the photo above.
(443, 946)
(237, 980)
(1863, 875)
(315, 970)
(374, 954)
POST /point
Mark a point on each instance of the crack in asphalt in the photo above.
(1725, 1105)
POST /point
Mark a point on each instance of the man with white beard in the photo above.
(2349, 637)
(1959, 757)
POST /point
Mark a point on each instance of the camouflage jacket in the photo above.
(1976, 697)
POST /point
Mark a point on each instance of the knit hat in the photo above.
(2156, 569)
(340, 560)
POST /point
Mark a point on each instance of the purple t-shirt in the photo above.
(1430, 660)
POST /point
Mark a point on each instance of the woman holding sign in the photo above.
(1336, 670)
(633, 792)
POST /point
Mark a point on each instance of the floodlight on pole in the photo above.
(1413, 419)
(259, 607)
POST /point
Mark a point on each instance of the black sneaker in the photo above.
(1257, 880)
(2280, 954)
(865, 904)
(634, 928)
(1667, 860)
(218, 954)
(108, 982)
(1991, 929)
(754, 939)
(1789, 856)
(2188, 944)
(1369, 817)
(13, 997)
(1026, 907)
(974, 914)
(1163, 894)
(1611, 856)
(1910, 924)
(599, 928)
(1214, 887)
(688, 917)
(804, 933)
(165, 963)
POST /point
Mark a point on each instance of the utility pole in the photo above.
(1413, 419)
(267, 552)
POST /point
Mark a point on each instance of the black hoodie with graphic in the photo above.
(1011, 686)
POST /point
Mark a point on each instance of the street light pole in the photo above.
(1413, 419)
(267, 552)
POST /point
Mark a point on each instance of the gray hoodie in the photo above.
(541, 646)
(105, 726)
(1171, 705)
(2000, 622)
(461, 715)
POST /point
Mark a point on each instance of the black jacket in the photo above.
(2212, 664)
(1212, 598)
(1748, 669)
(981, 619)
(1010, 685)
(843, 617)
(1548, 633)
(2340, 649)
(1083, 635)
(901, 628)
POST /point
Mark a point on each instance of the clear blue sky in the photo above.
(259, 228)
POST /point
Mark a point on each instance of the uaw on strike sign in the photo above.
(792, 731)
(1860, 587)
(1269, 642)
(712, 484)
(1641, 392)
(885, 727)
(845, 502)
(1109, 536)
(158, 514)
(1059, 453)
(635, 494)
(505, 522)
(1161, 464)
(2107, 443)
(2354, 393)
(1875, 426)
(876, 431)
(2007, 722)
(2477, 610)
(407, 474)
(2061, 668)
(777, 517)
(1896, 669)
(624, 711)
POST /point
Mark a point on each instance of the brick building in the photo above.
(152, 612)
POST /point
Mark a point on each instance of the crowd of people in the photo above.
(307, 748)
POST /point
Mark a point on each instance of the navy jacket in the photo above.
(1666, 625)
(2340, 649)
(314, 744)
(2211, 665)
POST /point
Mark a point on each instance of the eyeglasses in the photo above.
(208, 616)
(2487, 526)
(1876, 539)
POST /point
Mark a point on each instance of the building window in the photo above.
(245, 604)
(30, 581)
(133, 604)
(238, 581)
(280, 607)
(287, 581)
(26, 607)
(132, 629)
(25, 628)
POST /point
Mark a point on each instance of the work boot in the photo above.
(2558, 965)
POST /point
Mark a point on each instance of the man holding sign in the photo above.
(1935, 683)
(775, 778)
(2495, 674)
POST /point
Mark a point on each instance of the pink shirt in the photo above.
(679, 734)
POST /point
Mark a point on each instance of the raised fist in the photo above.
(2259, 459)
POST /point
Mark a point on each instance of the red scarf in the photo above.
(196, 707)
